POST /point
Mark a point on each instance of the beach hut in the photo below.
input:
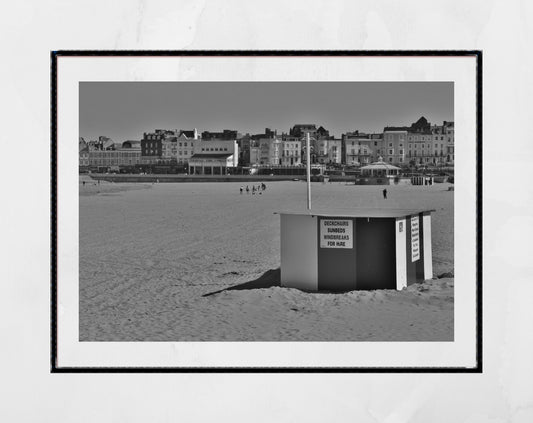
(344, 250)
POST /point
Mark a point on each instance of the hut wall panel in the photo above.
(299, 252)
(420, 264)
(401, 253)
(409, 264)
(337, 266)
(428, 253)
(376, 253)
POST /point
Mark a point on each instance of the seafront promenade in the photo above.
(206, 178)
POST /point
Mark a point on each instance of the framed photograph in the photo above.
(266, 211)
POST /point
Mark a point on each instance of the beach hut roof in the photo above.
(358, 212)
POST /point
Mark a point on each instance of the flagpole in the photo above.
(308, 154)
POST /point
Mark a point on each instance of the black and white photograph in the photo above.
(296, 217)
(266, 211)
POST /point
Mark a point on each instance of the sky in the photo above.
(125, 110)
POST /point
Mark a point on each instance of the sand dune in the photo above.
(150, 254)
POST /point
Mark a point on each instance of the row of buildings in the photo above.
(420, 144)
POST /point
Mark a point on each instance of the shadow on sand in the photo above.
(268, 279)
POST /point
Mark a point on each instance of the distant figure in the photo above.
(241, 189)
(83, 183)
(385, 194)
(247, 189)
(98, 181)
(253, 189)
(263, 186)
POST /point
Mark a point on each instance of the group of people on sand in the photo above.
(259, 189)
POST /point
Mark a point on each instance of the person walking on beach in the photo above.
(247, 189)
(253, 189)
(241, 189)
(385, 194)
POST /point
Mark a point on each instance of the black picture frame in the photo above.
(477, 54)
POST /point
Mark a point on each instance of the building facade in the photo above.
(271, 151)
(84, 158)
(424, 144)
(184, 148)
(326, 151)
(214, 157)
(125, 154)
(361, 148)
(152, 146)
(394, 146)
(168, 146)
(291, 152)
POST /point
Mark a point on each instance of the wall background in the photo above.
(29, 30)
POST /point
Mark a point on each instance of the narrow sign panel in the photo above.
(336, 233)
(415, 239)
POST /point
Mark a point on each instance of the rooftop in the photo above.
(211, 155)
(380, 164)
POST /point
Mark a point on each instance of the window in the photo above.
(390, 159)
(401, 145)
(391, 151)
(203, 149)
(185, 144)
(180, 144)
(390, 144)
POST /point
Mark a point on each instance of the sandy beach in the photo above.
(156, 262)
